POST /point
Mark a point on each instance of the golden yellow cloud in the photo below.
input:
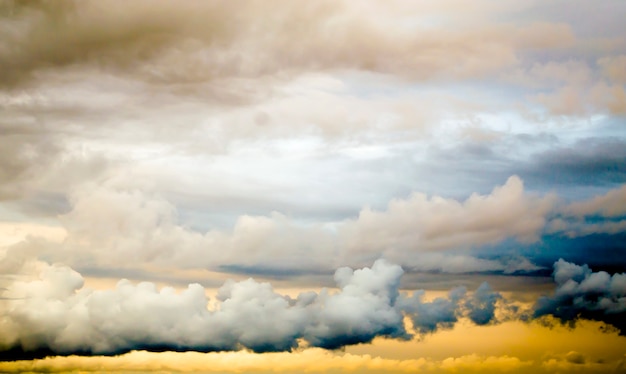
(510, 347)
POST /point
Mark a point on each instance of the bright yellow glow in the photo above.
(514, 347)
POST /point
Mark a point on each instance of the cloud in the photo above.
(310, 360)
(602, 214)
(37, 162)
(459, 264)
(583, 99)
(420, 223)
(436, 314)
(246, 314)
(573, 87)
(574, 361)
(611, 204)
(444, 312)
(580, 228)
(590, 161)
(195, 41)
(582, 293)
(108, 225)
(614, 68)
(138, 316)
(477, 363)
(482, 305)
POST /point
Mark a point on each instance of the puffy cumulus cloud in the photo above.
(117, 224)
(192, 41)
(309, 360)
(52, 312)
(349, 318)
(444, 312)
(109, 225)
(436, 223)
(428, 316)
(582, 293)
(56, 314)
(482, 305)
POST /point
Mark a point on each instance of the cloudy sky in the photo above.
(322, 186)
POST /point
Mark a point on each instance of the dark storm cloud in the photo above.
(584, 294)
(600, 251)
(440, 313)
(444, 312)
(482, 305)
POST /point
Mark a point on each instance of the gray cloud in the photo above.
(601, 214)
(194, 41)
(482, 305)
(591, 161)
(582, 293)
(149, 81)
(444, 312)
(432, 315)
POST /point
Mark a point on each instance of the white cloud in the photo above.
(78, 319)
(109, 225)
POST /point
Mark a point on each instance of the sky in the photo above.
(313, 186)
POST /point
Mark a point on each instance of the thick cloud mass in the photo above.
(199, 40)
(582, 293)
(482, 305)
(444, 312)
(55, 313)
(439, 313)
(411, 232)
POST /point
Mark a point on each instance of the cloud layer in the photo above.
(55, 313)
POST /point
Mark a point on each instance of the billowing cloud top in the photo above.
(55, 313)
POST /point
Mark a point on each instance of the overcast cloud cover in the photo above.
(166, 167)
